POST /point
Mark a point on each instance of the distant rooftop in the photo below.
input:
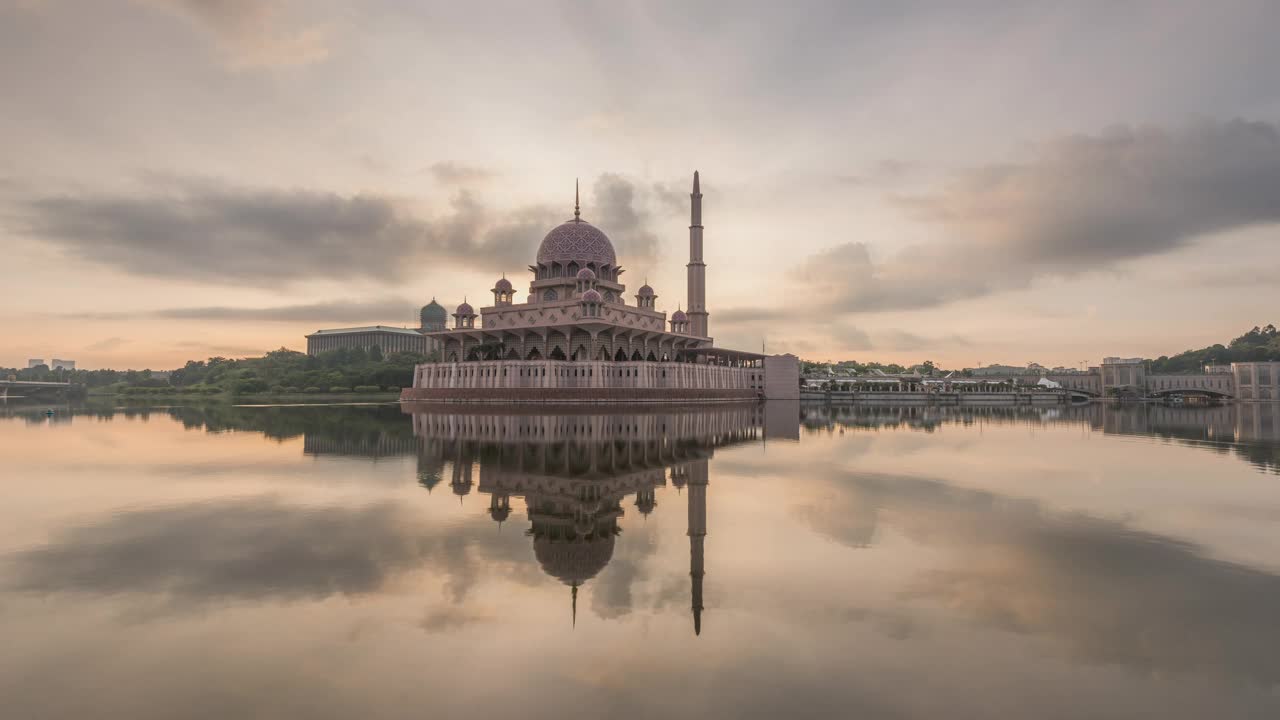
(367, 329)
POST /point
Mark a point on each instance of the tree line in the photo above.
(278, 371)
(1260, 343)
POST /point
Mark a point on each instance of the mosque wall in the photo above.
(584, 381)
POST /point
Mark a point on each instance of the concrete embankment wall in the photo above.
(923, 398)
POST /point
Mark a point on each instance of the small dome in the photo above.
(465, 309)
(645, 291)
(503, 284)
(433, 312)
(679, 316)
(591, 296)
(586, 274)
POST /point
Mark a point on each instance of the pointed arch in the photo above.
(603, 354)
(635, 356)
(651, 357)
(580, 353)
(556, 354)
(620, 356)
(534, 354)
(512, 354)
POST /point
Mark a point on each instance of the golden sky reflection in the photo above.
(909, 567)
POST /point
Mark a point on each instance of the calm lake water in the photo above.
(785, 561)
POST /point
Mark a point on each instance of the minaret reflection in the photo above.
(574, 470)
(697, 534)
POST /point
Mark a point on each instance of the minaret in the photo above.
(697, 269)
(697, 533)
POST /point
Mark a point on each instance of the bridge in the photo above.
(31, 385)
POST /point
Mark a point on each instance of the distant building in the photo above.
(386, 338)
(35, 362)
(64, 364)
(997, 370)
(431, 318)
(1257, 380)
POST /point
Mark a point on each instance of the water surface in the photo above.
(795, 561)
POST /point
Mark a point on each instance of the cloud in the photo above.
(452, 173)
(1103, 591)
(260, 548)
(454, 617)
(620, 209)
(254, 33)
(882, 174)
(231, 235)
(901, 340)
(240, 548)
(106, 344)
(207, 348)
(397, 310)
(1077, 204)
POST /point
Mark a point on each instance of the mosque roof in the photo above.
(592, 296)
(367, 329)
(465, 309)
(645, 291)
(576, 240)
(502, 284)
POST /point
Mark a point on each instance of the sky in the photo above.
(969, 182)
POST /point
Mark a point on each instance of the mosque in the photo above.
(576, 338)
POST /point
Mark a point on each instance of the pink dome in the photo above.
(503, 284)
(576, 240)
(679, 316)
(645, 291)
(591, 296)
(464, 309)
(586, 274)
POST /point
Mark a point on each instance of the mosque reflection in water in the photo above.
(578, 474)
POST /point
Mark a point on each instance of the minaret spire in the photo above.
(577, 210)
(697, 288)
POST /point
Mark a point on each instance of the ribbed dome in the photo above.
(465, 309)
(679, 316)
(592, 296)
(502, 284)
(433, 313)
(645, 291)
(576, 240)
(586, 274)
(573, 562)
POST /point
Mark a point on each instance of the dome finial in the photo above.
(577, 213)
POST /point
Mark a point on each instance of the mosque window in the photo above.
(550, 296)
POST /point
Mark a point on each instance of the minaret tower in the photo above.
(697, 269)
(697, 534)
